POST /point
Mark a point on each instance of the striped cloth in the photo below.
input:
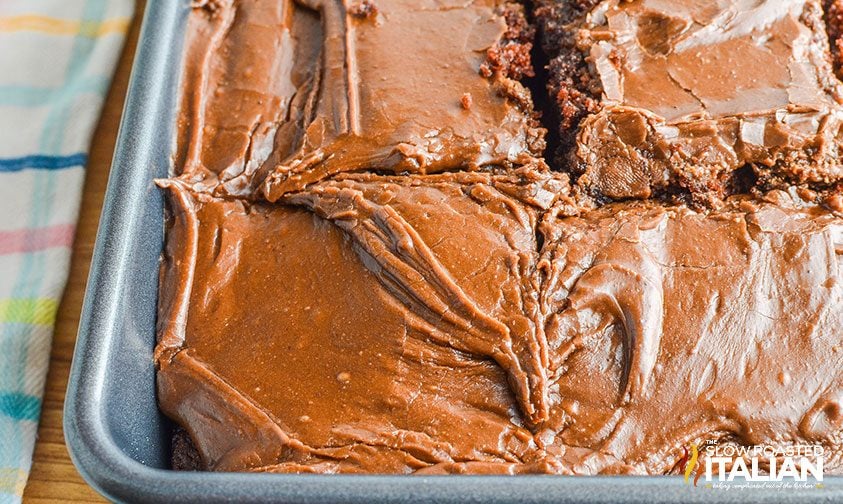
(56, 62)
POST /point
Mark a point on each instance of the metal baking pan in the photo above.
(119, 440)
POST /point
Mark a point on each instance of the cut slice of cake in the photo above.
(694, 99)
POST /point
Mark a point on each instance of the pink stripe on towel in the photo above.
(32, 240)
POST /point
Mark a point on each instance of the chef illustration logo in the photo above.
(759, 466)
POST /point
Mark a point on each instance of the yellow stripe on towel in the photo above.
(12, 480)
(32, 311)
(56, 26)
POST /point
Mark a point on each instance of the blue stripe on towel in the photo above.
(20, 406)
(42, 162)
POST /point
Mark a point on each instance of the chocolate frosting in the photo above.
(384, 344)
(666, 327)
(693, 91)
(369, 268)
(417, 324)
(279, 95)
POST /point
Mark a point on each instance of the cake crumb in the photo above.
(184, 455)
(466, 101)
(834, 28)
(364, 9)
(511, 55)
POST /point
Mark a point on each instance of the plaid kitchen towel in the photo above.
(56, 62)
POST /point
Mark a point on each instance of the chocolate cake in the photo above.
(696, 99)
(372, 265)
(665, 327)
(316, 98)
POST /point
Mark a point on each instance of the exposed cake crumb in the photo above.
(574, 93)
(363, 9)
(834, 27)
(465, 101)
(511, 56)
(630, 131)
(185, 457)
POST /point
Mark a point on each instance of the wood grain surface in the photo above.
(53, 477)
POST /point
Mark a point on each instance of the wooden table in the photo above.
(53, 477)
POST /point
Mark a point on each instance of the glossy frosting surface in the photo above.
(370, 268)
(278, 95)
(415, 324)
